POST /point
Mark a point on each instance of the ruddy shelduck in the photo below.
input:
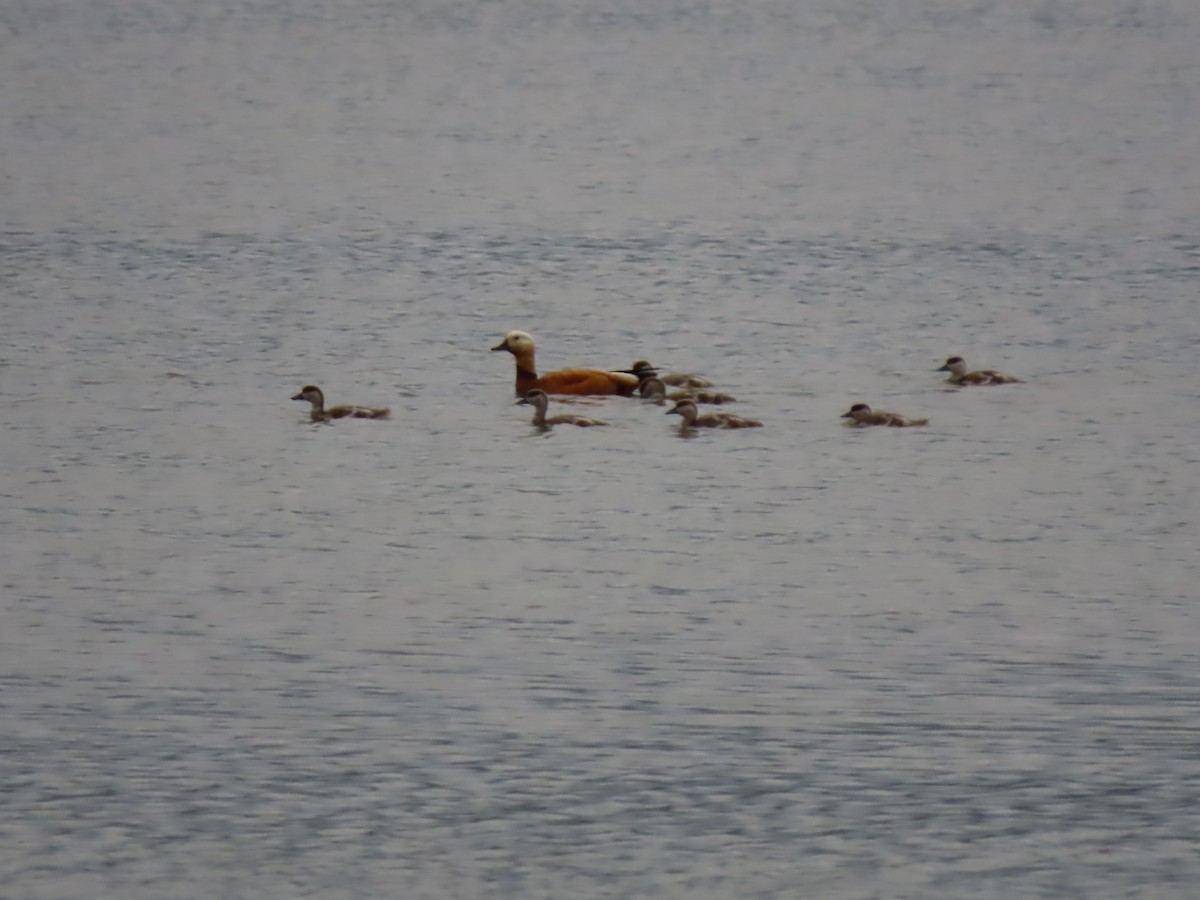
(692, 418)
(566, 381)
(957, 368)
(319, 413)
(540, 401)
(861, 414)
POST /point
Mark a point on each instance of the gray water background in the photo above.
(444, 656)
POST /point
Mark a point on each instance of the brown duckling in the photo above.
(319, 413)
(566, 381)
(692, 418)
(957, 368)
(861, 414)
(540, 402)
(644, 369)
(653, 389)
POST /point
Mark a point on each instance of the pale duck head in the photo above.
(518, 343)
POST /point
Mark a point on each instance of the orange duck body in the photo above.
(564, 381)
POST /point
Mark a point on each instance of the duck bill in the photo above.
(503, 345)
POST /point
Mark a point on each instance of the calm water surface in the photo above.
(447, 656)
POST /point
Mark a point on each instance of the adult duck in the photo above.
(319, 413)
(566, 381)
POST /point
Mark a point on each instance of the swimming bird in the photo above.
(861, 414)
(567, 381)
(319, 413)
(693, 419)
(959, 374)
(644, 369)
(653, 389)
(539, 401)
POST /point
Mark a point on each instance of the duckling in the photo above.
(319, 413)
(692, 418)
(959, 374)
(643, 369)
(861, 414)
(653, 389)
(566, 381)
(540, 401)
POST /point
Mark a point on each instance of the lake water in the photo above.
(447, 656)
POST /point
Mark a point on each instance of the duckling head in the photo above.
(954, 364)
(537, 397)
(685, 408)
(311, 393)
(643, 369)
(858, 409)
(652, 389)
